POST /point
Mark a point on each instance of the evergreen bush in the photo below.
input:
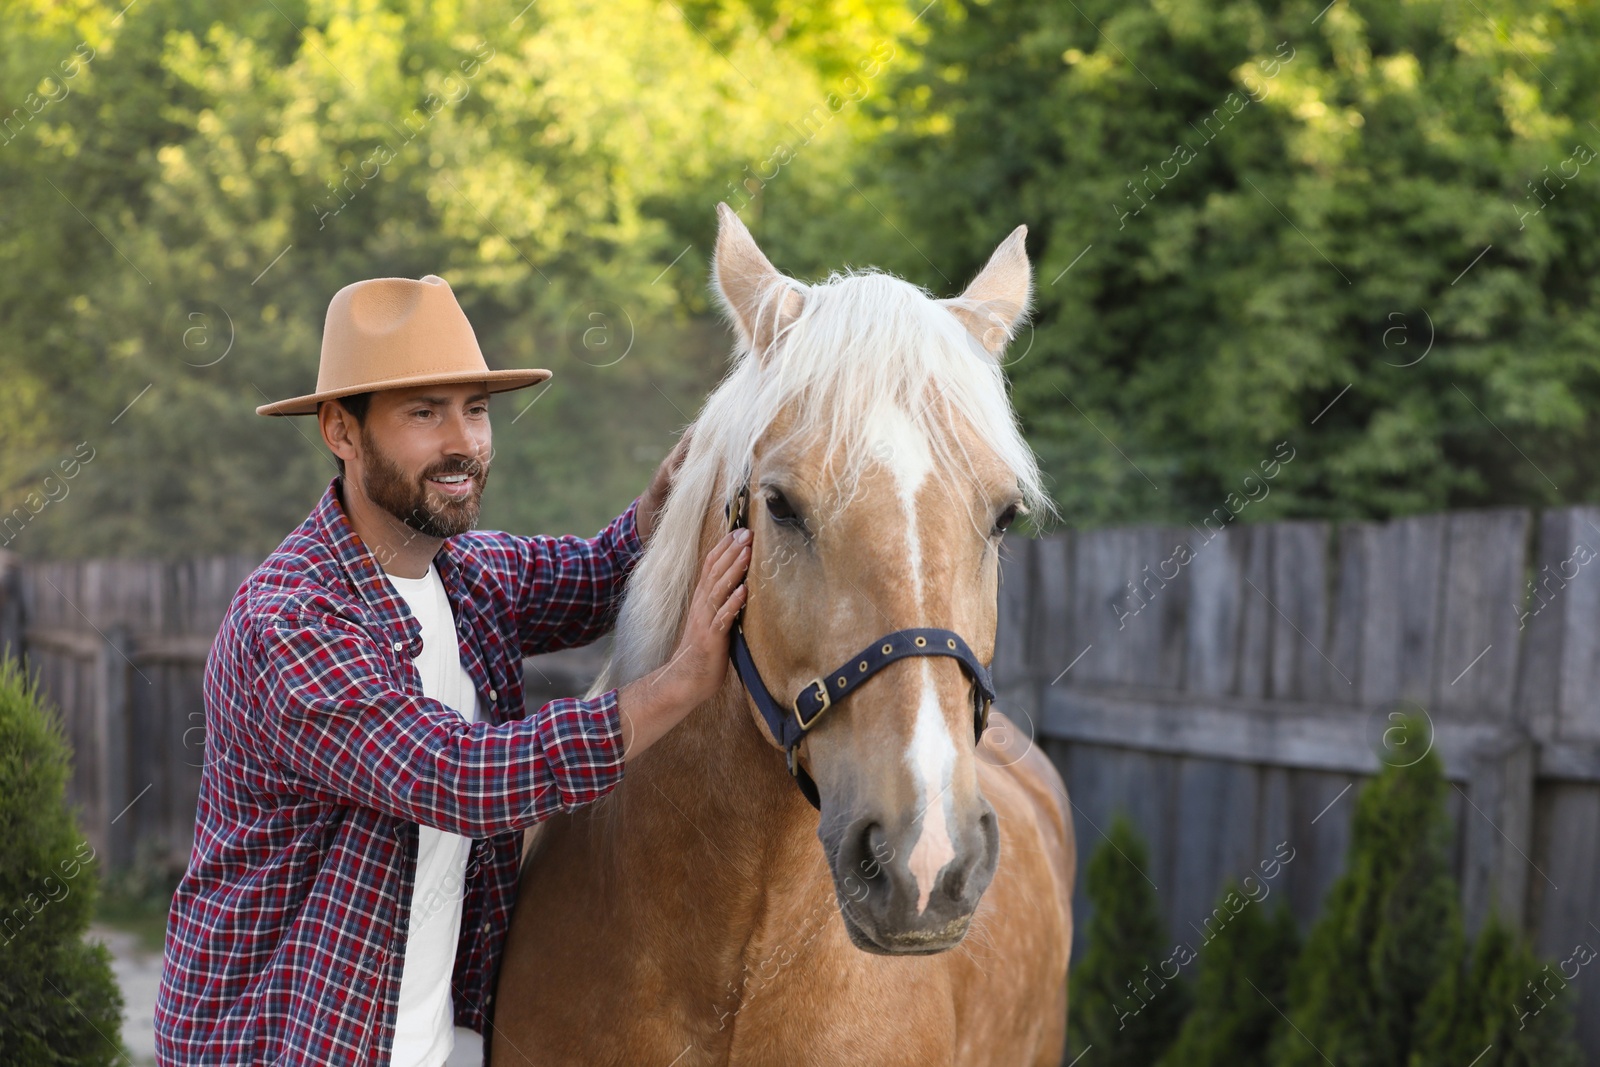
(1240, 989)
(59, 1004)
(1502, 1008)
(1119, 1004)
(1385, 978)
(1390, 929)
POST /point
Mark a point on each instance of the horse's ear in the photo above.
(760, 301)
(996, 302)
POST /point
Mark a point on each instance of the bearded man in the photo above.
(370, 767)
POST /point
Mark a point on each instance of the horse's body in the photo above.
(690, 918)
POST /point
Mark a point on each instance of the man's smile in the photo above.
(457, 486)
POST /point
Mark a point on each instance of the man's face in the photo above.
(425, 456)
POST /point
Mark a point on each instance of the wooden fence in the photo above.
(1228, 695)
(119, 646)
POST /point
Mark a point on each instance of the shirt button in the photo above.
(485, 927)
(494, 694)
(398, 645)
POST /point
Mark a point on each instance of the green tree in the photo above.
(1240, 989)
(1251, 219)
(58, 1002)
(1501, 1008)
(200, 178)
(1119, 1003)
(1390, 929)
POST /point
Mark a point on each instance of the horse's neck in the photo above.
(712, 809)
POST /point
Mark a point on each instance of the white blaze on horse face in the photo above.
(932, 754)
(904, 450)
(932, 757)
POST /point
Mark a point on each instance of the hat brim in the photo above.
(499, 381)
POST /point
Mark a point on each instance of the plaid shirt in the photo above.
(287, 933)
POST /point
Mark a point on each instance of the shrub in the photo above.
(1501, 1008)
(1241, 987)
(1119, 1004)
(1390, 929)
(59, 1004)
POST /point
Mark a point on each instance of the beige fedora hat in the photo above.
(396, 333)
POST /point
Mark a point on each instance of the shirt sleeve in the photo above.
(568, 589)
(333, 718)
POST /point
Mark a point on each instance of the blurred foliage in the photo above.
(1390, 927)
(1251, 218)
(1364, 232)
(1118, 1002)
(1385, 978)
(1466, 1018)
(59, 1004)
(1243, 982)
(198, 179)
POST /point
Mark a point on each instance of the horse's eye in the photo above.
(1003, 523)
(780, 509)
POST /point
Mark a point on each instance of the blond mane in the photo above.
(862, 339)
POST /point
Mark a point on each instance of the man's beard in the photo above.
(388, 487)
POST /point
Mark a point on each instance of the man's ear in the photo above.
(761, 302)
(996, 302)
(339, 429)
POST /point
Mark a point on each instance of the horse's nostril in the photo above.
(875, 853)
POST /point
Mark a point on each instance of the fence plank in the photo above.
(1216, 575)
(1257, 622)
(1101, 607)
(1341, 680)
(1564, 884)
(1013, 669)
(1162, 648)
(11, 624)
(1299, 603)
(1218, 801)
(1050, 640)
(1540, 630)
(1323, 805)
(1578, 600)
(111, 718)
(1497, 833)
(1483, 579)
(1405, 560)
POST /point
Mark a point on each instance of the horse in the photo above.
(689, 918)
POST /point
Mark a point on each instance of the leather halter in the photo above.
(789, 725)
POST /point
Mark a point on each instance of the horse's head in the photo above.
(883, 466)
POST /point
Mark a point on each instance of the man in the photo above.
(369, 769)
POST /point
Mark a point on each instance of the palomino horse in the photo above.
(689, 917)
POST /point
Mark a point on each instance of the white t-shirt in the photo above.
(425, 1026)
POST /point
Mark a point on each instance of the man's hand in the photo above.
(660, 484)
(699, 662)
(654, 704)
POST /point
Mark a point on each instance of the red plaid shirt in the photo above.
(287, 932)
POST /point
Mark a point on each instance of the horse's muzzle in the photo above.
(889, 909)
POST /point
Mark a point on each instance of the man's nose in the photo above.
(463, 439)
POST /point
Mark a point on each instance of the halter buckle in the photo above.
(827, 702)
